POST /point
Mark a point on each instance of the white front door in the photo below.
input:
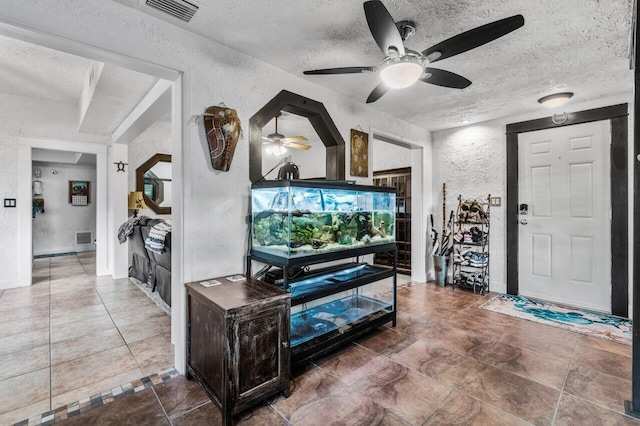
(564, 232)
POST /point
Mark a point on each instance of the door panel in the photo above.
(564, 235)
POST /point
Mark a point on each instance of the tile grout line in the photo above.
(104, 397)
(564, 382)
(166, 415)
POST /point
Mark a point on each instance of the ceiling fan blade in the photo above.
(344, 70)
(294, 139)
(473, 38)
(444, 78)
(383, 27)
(377, 93)
(296, 145)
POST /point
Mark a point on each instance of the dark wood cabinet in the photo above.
(401, 180)
(238, 342)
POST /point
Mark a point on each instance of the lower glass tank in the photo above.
(330, 316)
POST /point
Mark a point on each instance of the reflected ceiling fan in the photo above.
(402, 67)
(280, 141)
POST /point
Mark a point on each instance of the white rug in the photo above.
(609, 327)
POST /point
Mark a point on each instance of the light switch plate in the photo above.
(9, 202)
(496, 201)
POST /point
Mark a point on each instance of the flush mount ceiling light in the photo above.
(398, 73)
(555, 100)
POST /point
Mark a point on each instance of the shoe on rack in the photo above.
(458, 237)
(476, 234)
(460, 279)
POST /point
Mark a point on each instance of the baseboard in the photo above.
(6, 285)
(497, 287)
(567, 302)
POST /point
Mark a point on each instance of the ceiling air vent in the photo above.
(180, 9)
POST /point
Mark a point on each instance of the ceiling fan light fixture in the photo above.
(556, 99)
(398, 73)
(275, 150)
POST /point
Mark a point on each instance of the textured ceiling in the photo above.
(39, 72)
(575, 45)
(42, 73)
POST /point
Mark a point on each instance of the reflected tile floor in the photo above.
(446, 363)
(60, 344)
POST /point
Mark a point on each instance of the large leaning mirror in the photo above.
(153, 179)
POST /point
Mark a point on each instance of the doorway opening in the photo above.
(110, 200)
(401, 180)
(401, 163)
(64, 208)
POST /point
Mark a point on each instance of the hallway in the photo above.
(72, 335)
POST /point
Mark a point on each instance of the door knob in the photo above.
(523, 221)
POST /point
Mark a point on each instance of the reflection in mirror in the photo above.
(157, 184)
(153, 178)
(311, 162)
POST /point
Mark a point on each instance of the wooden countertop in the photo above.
(230, 295)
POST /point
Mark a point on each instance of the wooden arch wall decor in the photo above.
(319, 118)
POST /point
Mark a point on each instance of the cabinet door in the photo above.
(262, 341)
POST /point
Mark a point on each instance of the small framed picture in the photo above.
(359, 153)
(79, 192)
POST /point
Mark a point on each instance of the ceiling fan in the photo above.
(280, 141)
(402, 67)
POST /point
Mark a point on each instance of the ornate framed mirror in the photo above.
(153, 179)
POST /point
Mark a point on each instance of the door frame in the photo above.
(419, 198)
(25, 222)
(618, 116)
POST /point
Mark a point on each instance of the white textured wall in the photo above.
(388, 156)
(25, 116)
(215, 203)
(54, 231)
(155, 140)
(471, 160)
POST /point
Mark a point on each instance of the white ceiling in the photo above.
(39, 72)
(575, 45)
(42, 73)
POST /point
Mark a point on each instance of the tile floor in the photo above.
(72, 335)
(446, 363)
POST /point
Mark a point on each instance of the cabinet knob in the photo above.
(523, 221)
(285, 344)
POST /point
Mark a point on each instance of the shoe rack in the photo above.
(471, 245)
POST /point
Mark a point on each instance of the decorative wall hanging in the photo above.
(120, 166)
(359, 153)
(79, 192)
(222, 129)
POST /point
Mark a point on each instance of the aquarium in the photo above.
(335, 315)
(301, 218)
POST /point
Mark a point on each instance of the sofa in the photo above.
(148, 266)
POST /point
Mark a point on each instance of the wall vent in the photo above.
(180, 9)
(84, 237)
